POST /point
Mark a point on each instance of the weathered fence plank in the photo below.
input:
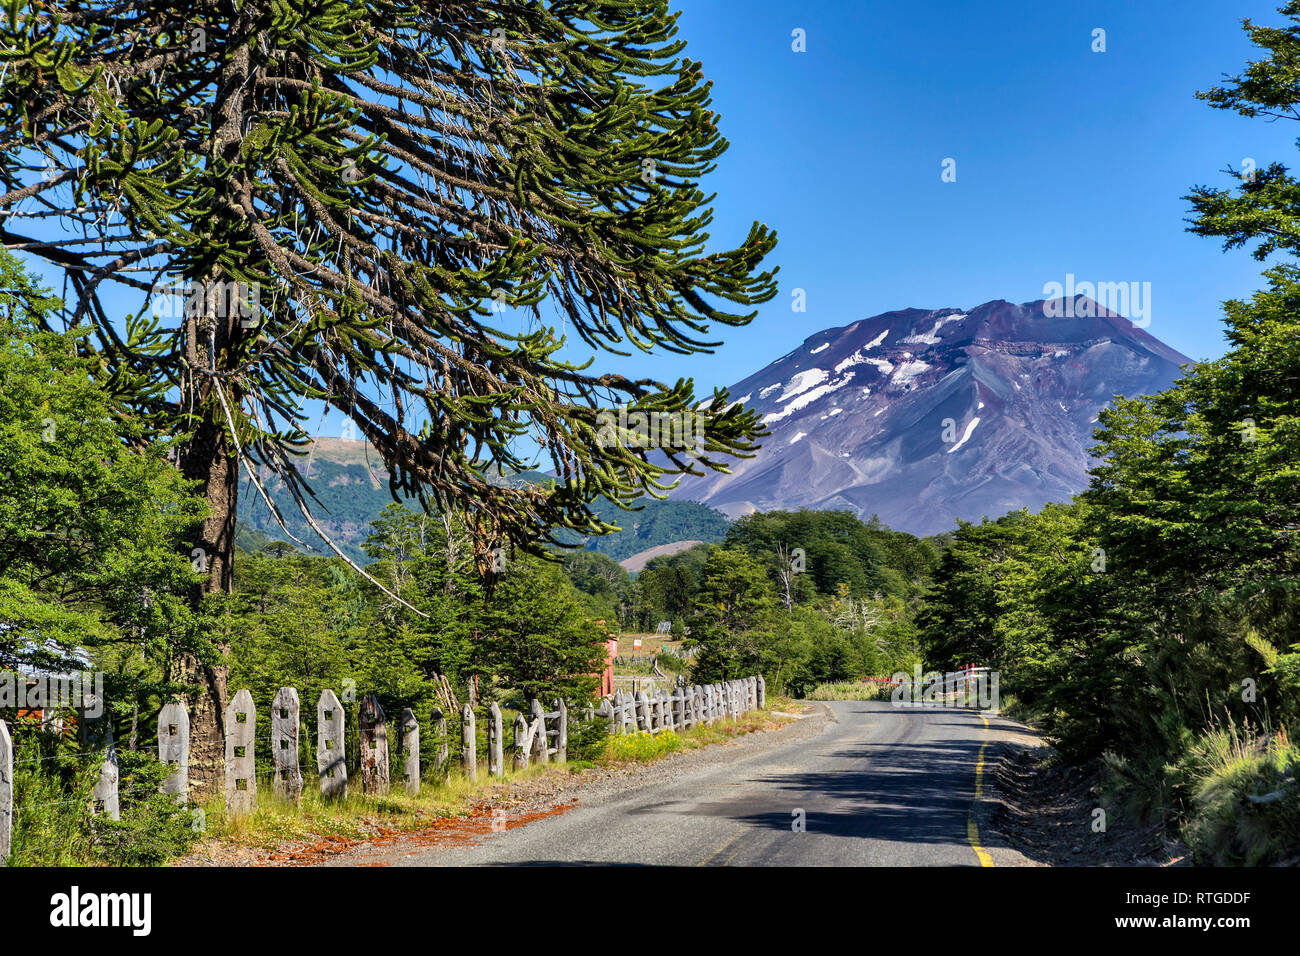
(374, 746)
(331, 758)
(541, 742)
(174, 748)
(469, 743)
(6, 793)
(523, 742)
(496, 745)
(410, 752)
(286, 775)
(562, 737)
(241, 776)
(761, 684)
(444, 748)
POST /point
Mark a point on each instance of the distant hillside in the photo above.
(351, 483)
(349, 480)
(639, 560)
(655, 523)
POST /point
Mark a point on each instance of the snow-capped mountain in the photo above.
(922, 417)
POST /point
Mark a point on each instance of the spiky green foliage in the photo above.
(387, 176)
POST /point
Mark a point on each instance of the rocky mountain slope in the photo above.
(923, 417)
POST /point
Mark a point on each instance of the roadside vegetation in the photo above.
(850, 690)
(1151, 624)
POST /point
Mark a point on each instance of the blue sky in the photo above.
(1068, 161)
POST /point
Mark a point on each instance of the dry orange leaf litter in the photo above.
(443, 832)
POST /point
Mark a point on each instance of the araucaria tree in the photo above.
(358, 198)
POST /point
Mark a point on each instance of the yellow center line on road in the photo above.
(972, 830)
(721, 850)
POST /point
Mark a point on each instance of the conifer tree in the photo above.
(359, 202)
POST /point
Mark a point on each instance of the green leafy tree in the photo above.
(734, 608)
(91, 513)
(534, 637)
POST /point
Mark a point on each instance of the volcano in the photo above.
(922, 417)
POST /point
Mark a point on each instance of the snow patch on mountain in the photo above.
(908, 371)
(803, 381)
(970, 430)
(932, 337)
(807, 398)
(860, 356)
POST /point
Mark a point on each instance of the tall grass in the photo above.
(1221, 772)
(850, 690)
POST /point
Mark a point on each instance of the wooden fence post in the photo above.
(105, 795)
(642, 711)
(411, 751)
(444, 750)
(374, 746)
(241, 775)
(607, 711)
(331, 757)
(6, 793)
(286, 775)
(761, 685)
(541, 743)
(469, 743)
(496, 745)
(522, 743)
(562, 738)
(174, 748)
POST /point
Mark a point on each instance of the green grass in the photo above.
(850, 690)
(642, 746)
(1221, 770)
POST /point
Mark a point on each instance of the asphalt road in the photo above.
(877, 785)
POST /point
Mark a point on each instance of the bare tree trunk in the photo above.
(207, 460)
(210, 457)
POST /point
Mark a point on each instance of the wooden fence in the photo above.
(540, 737)
(685, 707)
